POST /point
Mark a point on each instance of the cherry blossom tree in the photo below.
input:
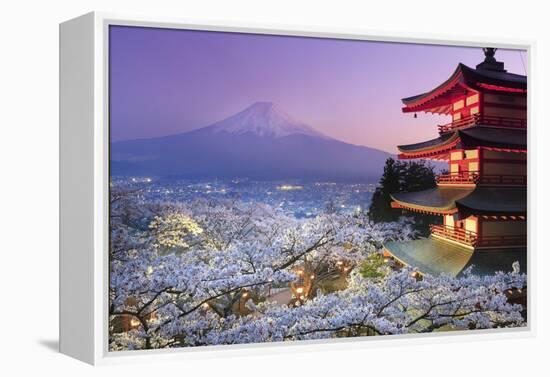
(397, 304)
(180, 272)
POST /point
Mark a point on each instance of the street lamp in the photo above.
(134, 322)
(243, 298)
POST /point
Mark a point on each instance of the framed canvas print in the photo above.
(224, 187)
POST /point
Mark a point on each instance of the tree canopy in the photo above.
(402, 176)
(181, 274)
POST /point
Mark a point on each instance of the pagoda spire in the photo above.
(490, 63)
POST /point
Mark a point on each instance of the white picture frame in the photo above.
(84, 186)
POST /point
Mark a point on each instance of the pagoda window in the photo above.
(470, 224)
(457, 155)
(474, 110)
(457, 116)
(454, 168)
(473, 166)
(471, 154)
(470, 100)
(449, 220)
(458, 105)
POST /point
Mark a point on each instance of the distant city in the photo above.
(298, 198)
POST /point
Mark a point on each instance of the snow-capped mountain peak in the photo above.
(260, 142)
(264, 119)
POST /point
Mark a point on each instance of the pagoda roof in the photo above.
(473, 137)
(448, 140)
(440, 200)
(479, 200)
(494, 137)
(495, 200)
(434, 256)
(439, 100)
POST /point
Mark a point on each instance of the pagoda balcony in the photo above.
(466, 177)
(475, 178)
(469, 238)
(465, 237)
(485, 120)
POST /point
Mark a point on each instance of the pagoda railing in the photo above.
(502, 179)
(460, 235)
(474, 177)
(465, 177)
(486, 120)
(471, 238)
(504, 240)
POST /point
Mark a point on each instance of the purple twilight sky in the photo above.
(166, 81)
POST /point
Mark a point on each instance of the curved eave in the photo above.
(438, 100)
(434, 100)
(423, 209)
(495, 201)
(440, 201)
(433, 256)
(492, 137)
(502, 149)
(496, 79)
(433, 148)
(510, 140)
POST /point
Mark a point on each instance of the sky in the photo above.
(168, 81)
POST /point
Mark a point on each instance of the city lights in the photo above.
(289, 187)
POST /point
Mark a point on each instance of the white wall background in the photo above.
(29, 183)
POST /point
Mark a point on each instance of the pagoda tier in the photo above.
(464, 83)
(488, 138)
(476, 221)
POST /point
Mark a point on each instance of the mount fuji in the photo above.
(260, 142)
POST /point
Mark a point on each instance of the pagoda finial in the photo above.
(490, 54)
(490, 63)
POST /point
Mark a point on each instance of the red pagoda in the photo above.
(483, 198)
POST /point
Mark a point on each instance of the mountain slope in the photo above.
(263, 119)
(261, 142)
